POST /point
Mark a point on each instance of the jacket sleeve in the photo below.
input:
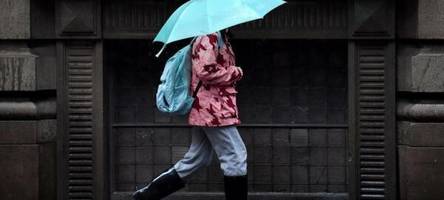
(206, 67)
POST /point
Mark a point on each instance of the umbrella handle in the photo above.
(161, 50)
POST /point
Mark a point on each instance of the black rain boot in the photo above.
(162, 186)
(236, 187)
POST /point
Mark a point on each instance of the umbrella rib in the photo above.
(208, 17)
(194, 13)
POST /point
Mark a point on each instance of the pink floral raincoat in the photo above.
(215, 103)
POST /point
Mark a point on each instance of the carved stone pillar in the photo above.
(420, 107)
(372, 100)
(421, 121)
(19, 151)
(17, 68)
(15, 19)
(80, 92)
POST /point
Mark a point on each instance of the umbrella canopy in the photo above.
(200, 17)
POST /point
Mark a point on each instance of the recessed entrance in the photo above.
(292, 102)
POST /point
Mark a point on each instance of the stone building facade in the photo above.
(342, 99)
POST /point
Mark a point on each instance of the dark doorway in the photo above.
(292, 102)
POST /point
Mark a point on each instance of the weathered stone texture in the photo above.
(15, 19)
(18, 132)
(425, 111)
(421, 19)
(47, 130)
(428, 72)
(46, 66)
(17, 70)
(421, 134)
(421, 70)
(18, 110)
(420, 117)
(421, 173)
(48, 171)
(19, 172)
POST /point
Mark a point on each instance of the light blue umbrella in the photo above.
(200, 17)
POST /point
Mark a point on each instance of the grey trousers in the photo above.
(225, 141)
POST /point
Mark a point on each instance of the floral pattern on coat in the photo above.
(215, 103)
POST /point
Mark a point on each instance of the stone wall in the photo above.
(27, 108)
(420, 99)
(28, 95)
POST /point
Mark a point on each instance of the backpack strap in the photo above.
(200, 82)
(197, 88)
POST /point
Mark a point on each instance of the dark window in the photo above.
(292, 101)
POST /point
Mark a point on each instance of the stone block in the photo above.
(421, 134)
(17, 110)
(281, 155)
(180, 136)
(162, 155)
(125, 173)
(318, 188)
(299, 137)
(144, 137)
(299, 188)
(200, 187)
(318, 175)
(318, 137)
(336, 137)
(421, 173)
(337, 188)
(144, 155)
(19, 177)
(144, 173)
(281, 175)
(47, 130)
(300, 156)
(162, 136)
(318, 156)
(46, 66)
(15, 19)
(201, 175)
(178, 153)
(336, 175)
(421, 69)
(420, 111)
(215, 174)
(43, 19)
(126, 156)
(421, 19)
(125, 137)
(266, 115)
(18, 132)
(247, 136)
(336, 156)
(124, 114)
(280, 137)
(262, 136)
(300, 174)
(262, 174)
(48, 171)
(262, 154)
(17, 69)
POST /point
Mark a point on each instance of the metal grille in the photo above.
(292, 103)
(80, 138)
(372, 107)
(297, 19)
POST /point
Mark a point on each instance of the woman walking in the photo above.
(214, 116)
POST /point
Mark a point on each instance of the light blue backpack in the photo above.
(173, 93)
